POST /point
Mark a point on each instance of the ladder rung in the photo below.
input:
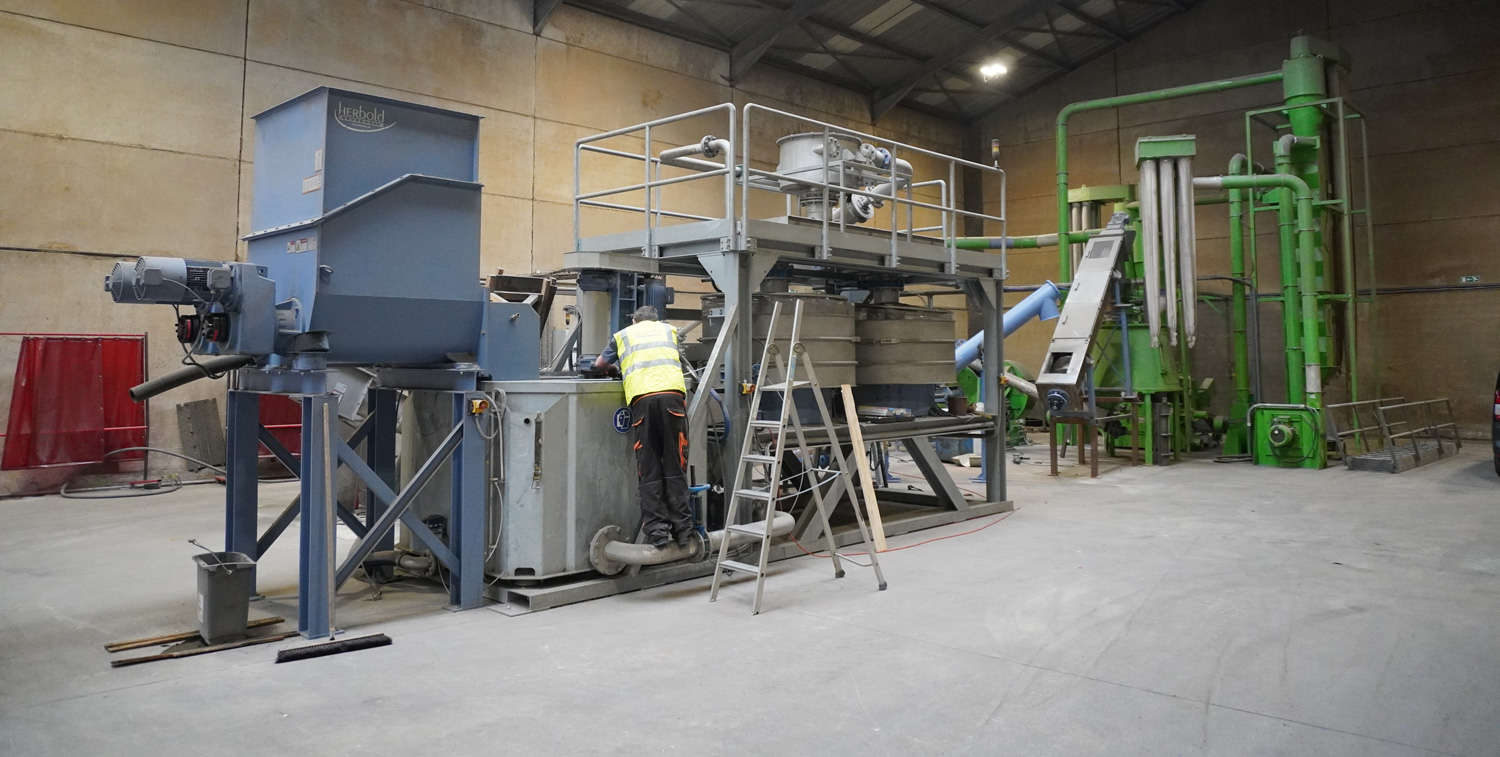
(758, 530)
(767, 459)
(753, 494)
(781, 386)
(739, 566)
(765, 424)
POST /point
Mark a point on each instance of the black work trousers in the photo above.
(660, 421)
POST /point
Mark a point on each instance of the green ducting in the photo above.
(1306, 233)
(1065, 263)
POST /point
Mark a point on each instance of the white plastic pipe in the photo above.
(1166, 187)
(1187, 252)
(1150, 250)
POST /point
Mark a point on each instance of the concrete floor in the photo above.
(1196, 609)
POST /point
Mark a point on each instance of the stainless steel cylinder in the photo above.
(827, 331)
(902, 344)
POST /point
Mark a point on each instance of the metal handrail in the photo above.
(1433, 429)
(739, 176)
(1358, 428)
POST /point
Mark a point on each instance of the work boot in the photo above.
(661, 539)
(685, 537)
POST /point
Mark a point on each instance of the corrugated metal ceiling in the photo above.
(924, 54)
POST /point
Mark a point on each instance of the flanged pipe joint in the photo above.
(610, 553)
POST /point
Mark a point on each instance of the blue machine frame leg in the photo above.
(466, 527)
(241, 473)
(380, 453)
(315, 585)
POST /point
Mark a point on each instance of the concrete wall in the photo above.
(1426, 72)
(125, 130)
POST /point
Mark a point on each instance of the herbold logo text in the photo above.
(360, 118)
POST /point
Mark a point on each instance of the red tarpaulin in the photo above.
(70, 404)
(282, 416)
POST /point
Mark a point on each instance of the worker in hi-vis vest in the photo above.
(647, 352)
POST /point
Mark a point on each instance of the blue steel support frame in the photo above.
(241, 498)
(317, 504)
(380, 454)
(467, 526)
(315, 587)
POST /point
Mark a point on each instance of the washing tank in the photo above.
(827, 330)
(903, 344)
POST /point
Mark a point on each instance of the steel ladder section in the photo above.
(744, 485)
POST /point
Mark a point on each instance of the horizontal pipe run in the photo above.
(644, 554)
(1022, 243)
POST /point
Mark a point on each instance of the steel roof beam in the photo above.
(541, 13)
(1091, 57)
(887, 97)
(1090, 20)
(749, 50)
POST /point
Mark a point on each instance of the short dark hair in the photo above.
(645, 313)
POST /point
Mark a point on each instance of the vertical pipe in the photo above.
(1150, 242)
(1346, 254)
(1364, 160)
(1187, 249)
(1291, 311)
(1075, 223)
(1235, 442)
(1166, 192)
(1307, 243)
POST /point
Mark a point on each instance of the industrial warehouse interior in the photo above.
(981, 377)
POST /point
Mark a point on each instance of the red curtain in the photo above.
(69, 404)
(282, 416)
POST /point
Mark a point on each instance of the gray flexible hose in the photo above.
(188, 375)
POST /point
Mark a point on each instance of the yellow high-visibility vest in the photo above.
(648, 359)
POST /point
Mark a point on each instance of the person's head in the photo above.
(645, 313)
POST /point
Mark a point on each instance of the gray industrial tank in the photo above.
(827, 331)
(902, 344)
(802, 158)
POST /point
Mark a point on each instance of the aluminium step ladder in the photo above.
(746, 488)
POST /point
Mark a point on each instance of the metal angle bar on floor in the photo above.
(201, 650)
(172, 638)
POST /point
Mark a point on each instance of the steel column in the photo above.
(380, 453)
(993, 294)
(315, 586)
(241, 472)
(466, 531)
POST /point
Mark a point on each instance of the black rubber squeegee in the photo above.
(333, 647)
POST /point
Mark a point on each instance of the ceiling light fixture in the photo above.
(991, 71)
